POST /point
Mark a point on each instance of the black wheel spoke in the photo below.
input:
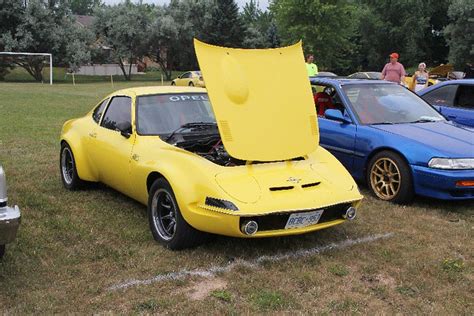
(164, 210)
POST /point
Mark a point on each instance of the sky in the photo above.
(262, 3)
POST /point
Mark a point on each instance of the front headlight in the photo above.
(448, 163)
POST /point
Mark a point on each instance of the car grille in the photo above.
(278, 221)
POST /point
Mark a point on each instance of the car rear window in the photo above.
(97, 114)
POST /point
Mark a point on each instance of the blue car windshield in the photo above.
(389, 104)
(164, 113)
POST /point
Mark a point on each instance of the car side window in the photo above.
(97, 114)
(442, 96)
(325, 98)
(465, 97)
(119, 110)
(186, 75)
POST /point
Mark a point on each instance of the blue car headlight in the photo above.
(453, 164)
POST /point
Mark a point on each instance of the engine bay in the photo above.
(209, 146)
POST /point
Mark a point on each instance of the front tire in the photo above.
(389, 178)
(191, 84)
(167, 225)
(173, 83)
(68, 170)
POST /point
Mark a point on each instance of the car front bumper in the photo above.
(9, 222)
(441, 184)
(270, 224)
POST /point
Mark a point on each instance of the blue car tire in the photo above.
(389, 178)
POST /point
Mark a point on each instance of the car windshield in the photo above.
(165, 113)
(389, 104)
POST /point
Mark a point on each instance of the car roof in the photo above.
(445, 83)
(339, 81)
(456, 81)
(138, 91)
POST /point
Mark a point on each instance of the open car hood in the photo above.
(441, 70)
(262, 101)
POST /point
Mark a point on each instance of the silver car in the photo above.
(9, 216)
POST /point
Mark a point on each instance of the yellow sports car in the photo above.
(241, 160)
(190, 78)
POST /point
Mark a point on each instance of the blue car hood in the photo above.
(451, 140)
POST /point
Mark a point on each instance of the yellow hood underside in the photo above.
(262, 101)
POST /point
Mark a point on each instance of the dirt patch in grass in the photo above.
(201, 289)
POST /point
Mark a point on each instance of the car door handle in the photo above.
(452, 116)
(135, 157)
(93, 135)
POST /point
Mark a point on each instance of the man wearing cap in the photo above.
(394, 71)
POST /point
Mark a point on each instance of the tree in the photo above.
(327, 28)
(45, 27)
(272, 36)
(225, 27)
(163, 35)
(459, 34)
(257, 24)
(124, 29)
(10, 18)
(84, 7)
(412, 28)
(172, 31)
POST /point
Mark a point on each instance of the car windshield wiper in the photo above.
(425, 120)
(190, 125)
(383, 123)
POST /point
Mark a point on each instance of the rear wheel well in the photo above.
(152, 177)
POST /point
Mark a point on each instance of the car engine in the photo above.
(209, 147)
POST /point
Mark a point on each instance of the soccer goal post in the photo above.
(35, 54)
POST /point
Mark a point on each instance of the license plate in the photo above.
(298, 220)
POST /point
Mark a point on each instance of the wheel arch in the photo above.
(152, 177)
(83, 168)
(380, 149)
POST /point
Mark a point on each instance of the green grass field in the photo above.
(60, 75)
(75, 249)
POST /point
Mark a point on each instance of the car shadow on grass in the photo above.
(230, 248)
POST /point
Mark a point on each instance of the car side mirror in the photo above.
(125, 128)
(335, 115)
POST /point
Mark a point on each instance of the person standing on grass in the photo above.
(311, 66)
(420, 78)
(469, 71)
(394, 71)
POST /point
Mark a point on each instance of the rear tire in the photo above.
(191, 84)
(167, 225)
(68, 170)
(389, 178)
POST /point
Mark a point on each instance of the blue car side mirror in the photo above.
(336, 115)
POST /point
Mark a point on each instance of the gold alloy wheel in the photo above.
(385, 178)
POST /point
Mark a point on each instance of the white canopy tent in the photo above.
(35, 54)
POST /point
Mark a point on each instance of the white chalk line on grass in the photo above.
(253, 264)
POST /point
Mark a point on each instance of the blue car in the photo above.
(453, 98)
(388, 136)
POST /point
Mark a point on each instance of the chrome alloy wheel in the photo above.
(164, 214)
(67, 165)
(385, 178)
